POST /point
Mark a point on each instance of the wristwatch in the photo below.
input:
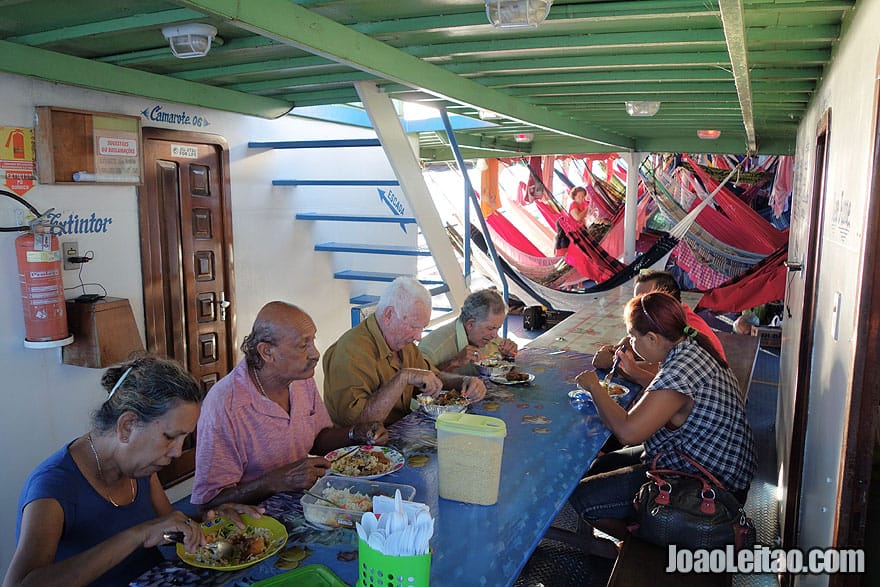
(351, 434)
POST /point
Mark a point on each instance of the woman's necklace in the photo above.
(101, 475)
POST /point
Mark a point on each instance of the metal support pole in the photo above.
(471, 198)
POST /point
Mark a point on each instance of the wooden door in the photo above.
(186, 253)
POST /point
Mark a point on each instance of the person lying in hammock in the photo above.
(632, 366)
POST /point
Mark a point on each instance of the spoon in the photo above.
(613, 370)
(316, 496)
(223, 550)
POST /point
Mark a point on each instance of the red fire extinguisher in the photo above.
(16, 137)
(42, 289)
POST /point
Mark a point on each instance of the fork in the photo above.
(345, 454)
(316, 496)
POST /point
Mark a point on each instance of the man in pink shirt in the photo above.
(260, 423)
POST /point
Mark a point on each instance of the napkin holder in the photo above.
(376, 569)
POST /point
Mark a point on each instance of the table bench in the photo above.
(741, 351)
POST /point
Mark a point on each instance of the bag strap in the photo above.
(701, 469)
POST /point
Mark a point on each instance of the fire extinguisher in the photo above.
(42, 289)
(39, 275)
(16, 137)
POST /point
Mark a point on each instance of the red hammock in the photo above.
(738, 225)
(765, 282)
(512, 235)
(584, 254)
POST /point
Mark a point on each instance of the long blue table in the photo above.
(548, 447)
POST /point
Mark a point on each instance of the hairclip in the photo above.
(119, 383)
(690, 331)
(648, 316)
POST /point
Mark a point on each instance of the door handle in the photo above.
(223, 303)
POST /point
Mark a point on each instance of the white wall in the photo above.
(46, 403)
(848, 90)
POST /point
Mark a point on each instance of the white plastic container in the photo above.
(469, 451)
(322, 513)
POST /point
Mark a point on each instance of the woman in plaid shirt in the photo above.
(691, 407)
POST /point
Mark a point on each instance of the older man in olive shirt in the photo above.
(372, 372)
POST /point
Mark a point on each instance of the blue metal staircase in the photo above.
(376, 256)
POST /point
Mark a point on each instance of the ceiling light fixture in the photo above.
(190, 40)
(711, 134)
(642, 108)
(517, 14)
(523, 137)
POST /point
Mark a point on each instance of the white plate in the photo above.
(502, 379)
(392, 455)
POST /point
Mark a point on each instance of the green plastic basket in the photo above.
(378, 570)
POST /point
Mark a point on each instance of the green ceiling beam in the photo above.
(289, 83)
(688, 39)
(137, 21)
(441, 153)
(644, 91)
(55, 67)
(297, 26)
(734, 31)
(598, 13)
(340, 95)
(792, 35)
(685, 40)
(642, 60)
(678, 144)
(269, 66)
(222, 48)
(708, 74)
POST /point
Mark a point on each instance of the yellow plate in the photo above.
(277, 539)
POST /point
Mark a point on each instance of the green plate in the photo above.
(311, 575)
(277, 539)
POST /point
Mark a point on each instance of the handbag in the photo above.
(690, 510)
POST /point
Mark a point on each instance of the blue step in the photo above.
(368, 300)
(387, 278)
(337, 182)
(314, 144)
(364, 300)
(373, 249)
(355, 218)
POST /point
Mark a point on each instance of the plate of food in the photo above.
(613, 389)
(512, 377)
(261, 538)
(449, 401)
(365, 461)
(490, 366)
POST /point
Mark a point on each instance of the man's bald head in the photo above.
(273, 323)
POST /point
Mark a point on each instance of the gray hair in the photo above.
(402, 294)
(148, 386)
(482, 303)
